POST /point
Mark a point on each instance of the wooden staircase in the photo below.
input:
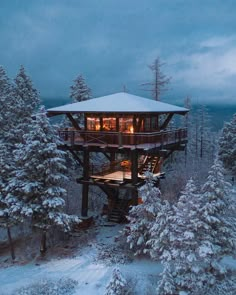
(119, 211)
(150, 164)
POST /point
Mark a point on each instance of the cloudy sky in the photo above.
(111, 42)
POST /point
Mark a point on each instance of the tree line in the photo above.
(33, 169)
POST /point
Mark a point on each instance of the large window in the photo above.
(126, 125)
(93, 123)
(109, 124)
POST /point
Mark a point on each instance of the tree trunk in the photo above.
(10, 243)
(43, 247)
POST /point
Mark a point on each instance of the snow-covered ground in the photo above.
(88, 269)
(91, 273)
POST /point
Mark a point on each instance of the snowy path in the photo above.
(91, 276)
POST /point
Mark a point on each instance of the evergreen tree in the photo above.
(185, 238)
(199, 233)
(159, 231)
(142, 217)
(26, 94)
(218, 213)
(167, 283)
(36, 189)
(117, 285)
(6, 110)
(7, 124)
(227, 145)
(79, 90)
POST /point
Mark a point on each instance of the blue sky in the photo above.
(111, 42)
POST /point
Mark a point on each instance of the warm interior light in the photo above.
(131, 129)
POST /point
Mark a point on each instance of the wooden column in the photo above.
(101, 124)
(134, 123)
(117, 125)
(134, 175)
(85, 121)
(85, 188)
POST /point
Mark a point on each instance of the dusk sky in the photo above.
(111, 42)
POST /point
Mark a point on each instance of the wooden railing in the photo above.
(75, 137)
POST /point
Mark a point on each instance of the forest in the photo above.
(186, 227)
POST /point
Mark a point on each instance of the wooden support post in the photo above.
(134, 175)
(85, 122)
(117, 125)
(134, 124)
(101, 123)
(85, 188)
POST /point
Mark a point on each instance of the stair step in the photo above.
(114, 219)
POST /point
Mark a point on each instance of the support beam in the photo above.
(166, 122)
(73, 121)
(85, 188)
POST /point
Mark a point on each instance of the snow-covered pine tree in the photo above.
(159, 231)
(184, 237)
(117, 285)
(79, 90)
(36, 189)
(142, 216)
(227, 145)
(6, 110)
(22, 103)
(167, 284)
(25, 92)
(218, 214)
(7, 123)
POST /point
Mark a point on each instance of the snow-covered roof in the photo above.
(121, 102)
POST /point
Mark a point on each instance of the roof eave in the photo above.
(56, 113)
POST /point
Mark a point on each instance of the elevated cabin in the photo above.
(131, 132)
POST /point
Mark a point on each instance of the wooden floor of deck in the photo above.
(119, 176)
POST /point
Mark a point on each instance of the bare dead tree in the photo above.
(160, 80)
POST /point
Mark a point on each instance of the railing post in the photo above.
(120, 139)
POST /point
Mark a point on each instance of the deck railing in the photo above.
(77, 137)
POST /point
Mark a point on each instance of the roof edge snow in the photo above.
(121, 102)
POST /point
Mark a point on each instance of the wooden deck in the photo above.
(120, 176)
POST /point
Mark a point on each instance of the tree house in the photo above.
(131, 132)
